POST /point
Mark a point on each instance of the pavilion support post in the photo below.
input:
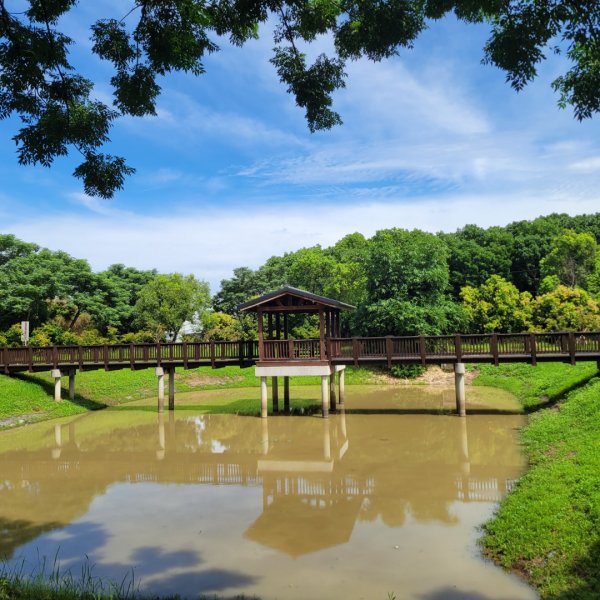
(171, 371)
(342, 386)
(275, 393)
(263, 397)
(459, 385)
(325, 396)
(56, 375)
(160, 374)
(286, 394)
(332, 394)
(72, 373)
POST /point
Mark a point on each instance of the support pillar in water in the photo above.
(342, 386)
(171, 371)
(275, 394)
(459, 386)
(286, 394)
(57, 375)
(263, 397)
(332, 394)
(325, 395)
(160, 373)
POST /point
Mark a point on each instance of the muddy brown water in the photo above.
(381, 500)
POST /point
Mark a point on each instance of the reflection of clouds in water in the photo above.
(200, 428)
(216, 447)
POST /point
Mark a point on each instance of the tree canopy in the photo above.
(150, 38)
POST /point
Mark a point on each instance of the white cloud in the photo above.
(588, 165)
(211, 243)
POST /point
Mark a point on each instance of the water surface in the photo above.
(385, 497)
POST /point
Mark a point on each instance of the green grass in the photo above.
(548, 528)
(28, 397)
(537, 386)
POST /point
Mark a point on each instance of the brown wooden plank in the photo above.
(321, 333)
(533, 349)
(572, 349)
(458, 347)
(423, 350)
(494, 348)
(355, 350)
(389, 347)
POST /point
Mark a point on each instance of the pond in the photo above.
(382, 499)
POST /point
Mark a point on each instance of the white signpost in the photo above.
(25, 332)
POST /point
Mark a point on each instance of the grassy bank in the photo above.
(548, 529)
(28, 397)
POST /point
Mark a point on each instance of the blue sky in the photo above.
(228, 173)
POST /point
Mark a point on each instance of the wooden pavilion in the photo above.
(281, 355)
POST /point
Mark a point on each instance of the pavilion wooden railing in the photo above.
(282, 350)
(524, 347)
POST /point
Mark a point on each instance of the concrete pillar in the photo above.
(325, 395)
(342, 386)
(265, 437)
(56, 374)
(160, 373)
(459, 386)
(263, 397)
(72, 373)
(171, 372)
(286, 394)
(332, 390)
(326, 440)
(275, 394)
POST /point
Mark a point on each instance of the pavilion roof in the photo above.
(289, 291)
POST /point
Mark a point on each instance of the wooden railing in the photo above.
(494, 347)
(283, 350)
(501, 347)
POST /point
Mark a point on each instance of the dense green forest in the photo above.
(538, 275)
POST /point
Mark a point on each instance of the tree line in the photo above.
(540, 275)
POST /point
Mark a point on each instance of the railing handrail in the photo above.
(527, 346)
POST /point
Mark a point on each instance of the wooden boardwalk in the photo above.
(361, 351)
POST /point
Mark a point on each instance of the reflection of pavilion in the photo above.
(316, 481)
(303, 494)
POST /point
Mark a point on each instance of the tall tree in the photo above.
(243, 286)
(572, 258)
(564, 309)
(167, 301)
(150, 38)
(476, 254)
(407, 265)
(497, 306)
